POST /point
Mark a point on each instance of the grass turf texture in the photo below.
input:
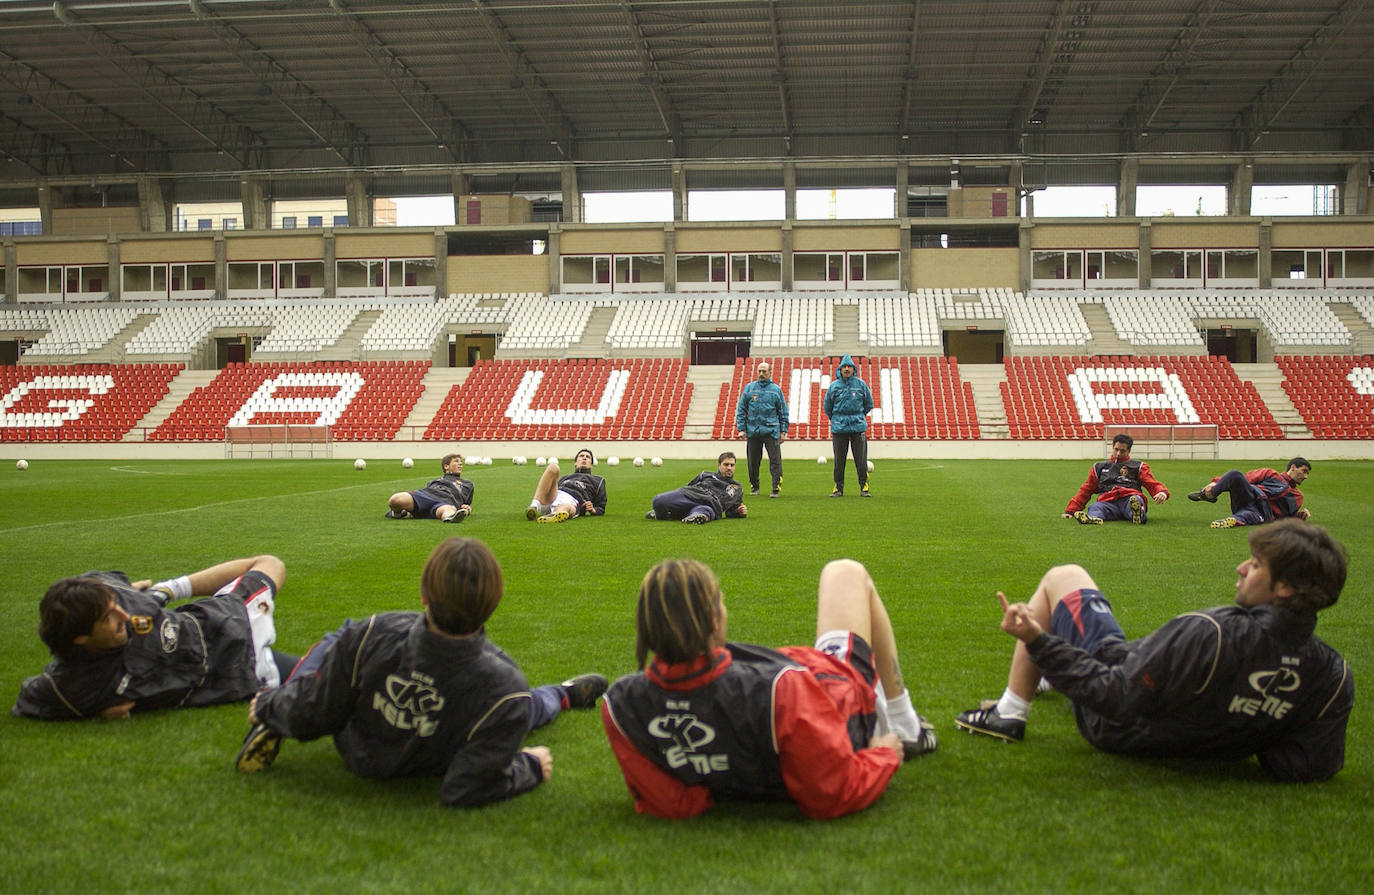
(153, 804)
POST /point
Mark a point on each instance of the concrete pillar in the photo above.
(669, 258)
(904, 254)
(1127, 181)
(1355, 195)
(679, 193)
(221, 266)
(441, 287)
(1238, 194)
(154, 211)
(1266, 252)
(11, 272)
(358, 194)
(112, 266)
(572, 196)
(903, 181)
(555, 259)
(787, 256)
(256, 213)
(1146, 245)
(789, 196)
(331, 272)
(48, 199)
(1016, 179)
(1023, 251)
(460, 185)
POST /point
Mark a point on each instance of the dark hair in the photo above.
(70, 609)
(723, 455)
(462, 581)
(447, 458)
(1304, 557)
(1298, 461)
(679, 602)
(587, 451)
(1123, 438)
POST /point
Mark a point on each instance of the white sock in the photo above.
(1012, 706)
(901, 717)
(180, 588)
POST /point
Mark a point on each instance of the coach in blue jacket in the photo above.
(762, 417)
(847, 403)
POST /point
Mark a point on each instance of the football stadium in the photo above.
(268, 265)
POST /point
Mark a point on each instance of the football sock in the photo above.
(901, 717)
(1012, 706)
(179, 588)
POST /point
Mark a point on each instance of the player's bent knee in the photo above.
(1066, 579)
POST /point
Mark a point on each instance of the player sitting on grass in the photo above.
(708, 720)
(579, 493)
(117, 648)
(423, 693)
(447, 498)
(1118, 483)
(707, 497)
(1225, 683)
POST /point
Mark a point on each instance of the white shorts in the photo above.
(259, 605)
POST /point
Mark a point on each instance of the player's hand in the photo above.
(141, 584)
(545, 759)
(1303, 513)
(1018, 620)
(466, 508)
(120, 711)
(887, 741)
(1066, 515)
(1161, 497)
(743, 511)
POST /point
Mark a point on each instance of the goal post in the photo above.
(1183, 441)
(279, 441)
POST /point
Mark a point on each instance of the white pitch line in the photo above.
(196, 509)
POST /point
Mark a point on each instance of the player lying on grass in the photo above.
(447, 498)
(1260, 495)
(1224, 683)
(579, 493)
(707, 497)
(117, 648)
(426, 693)
(708, 720)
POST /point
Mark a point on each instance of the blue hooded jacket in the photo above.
(848, 402)
(762, 411)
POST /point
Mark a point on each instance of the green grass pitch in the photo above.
(153, 804)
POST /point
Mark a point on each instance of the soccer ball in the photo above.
(360, 463)
(518, 461)
(657, 461)
(612, 461)
(407, 463)
(540, 461)
(820, 461)
(472, 460)
(639, 461)
(21, 465)
(870, 465)
(553, 459)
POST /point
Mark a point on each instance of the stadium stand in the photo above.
(180, 328)
(310, 326)
(79, 402)
(1073, 397)
(1334, 394)
(579, 399)
(361, 401)
(649, 325)
(914, 397)
(899, 321)
(1153, 320)
(71, 330)
(414, 325)
(536, 324)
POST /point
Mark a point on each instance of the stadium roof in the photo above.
(197, 86)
